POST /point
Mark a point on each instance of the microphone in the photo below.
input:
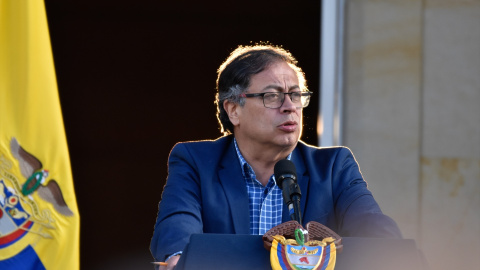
(286, 178)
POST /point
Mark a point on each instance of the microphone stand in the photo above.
(296, 208)
(296, 195)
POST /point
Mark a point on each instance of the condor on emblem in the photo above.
(295, 254)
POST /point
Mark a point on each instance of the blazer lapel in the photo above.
(233, 183)
(302, 179)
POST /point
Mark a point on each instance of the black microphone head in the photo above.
(282, 169)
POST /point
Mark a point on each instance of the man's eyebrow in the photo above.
(279, 88)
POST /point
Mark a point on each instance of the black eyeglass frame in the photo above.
(302, 94)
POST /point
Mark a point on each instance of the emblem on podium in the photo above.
(293, 248)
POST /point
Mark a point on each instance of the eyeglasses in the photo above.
(274, 100)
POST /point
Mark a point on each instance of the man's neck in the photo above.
(263, 159)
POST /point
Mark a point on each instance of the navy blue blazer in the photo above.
(205, 192)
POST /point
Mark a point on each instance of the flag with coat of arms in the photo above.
(39, 219)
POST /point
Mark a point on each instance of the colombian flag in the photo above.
(39, 219)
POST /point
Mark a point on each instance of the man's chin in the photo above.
(290, 140)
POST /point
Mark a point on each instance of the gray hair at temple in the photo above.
(235, 73)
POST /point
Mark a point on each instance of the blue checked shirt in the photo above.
(265, 202)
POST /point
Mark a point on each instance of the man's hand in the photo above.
(172, 262)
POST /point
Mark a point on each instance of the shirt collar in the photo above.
(243, 161)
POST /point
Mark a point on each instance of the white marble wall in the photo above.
(412, 118)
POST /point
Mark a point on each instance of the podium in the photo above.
(241, 252)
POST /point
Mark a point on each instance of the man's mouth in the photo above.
(288, 126)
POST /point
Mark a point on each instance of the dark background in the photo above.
(134, 78)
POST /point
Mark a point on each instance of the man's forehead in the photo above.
(279, 68)
(277, 74)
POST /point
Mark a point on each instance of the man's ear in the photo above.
(232, 111)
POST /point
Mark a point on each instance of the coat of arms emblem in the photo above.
(18, 210)
(293, 248)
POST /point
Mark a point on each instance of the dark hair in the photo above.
(235, 73)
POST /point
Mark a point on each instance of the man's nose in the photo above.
(288, 104)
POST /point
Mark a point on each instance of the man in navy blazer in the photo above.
(227, 185)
